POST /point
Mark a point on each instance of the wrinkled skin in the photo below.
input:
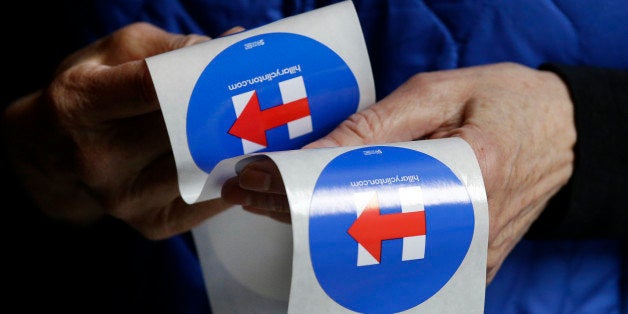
(94, 143)
(519, 122)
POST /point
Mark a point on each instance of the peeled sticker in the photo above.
(400, 227)
(276, 87)
(395, 228)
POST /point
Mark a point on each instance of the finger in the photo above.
(136, 141)
(262, 175)
(112, 80)
(93, 93)
(233, 30)
(152, 203)
(131, 43)
(421, 106)
(177, 217)
(232, 193)
(141, 137)
(152, 187)
(142, 40)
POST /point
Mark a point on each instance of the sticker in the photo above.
(268, 92)
(388, 228)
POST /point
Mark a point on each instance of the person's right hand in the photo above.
(518, 120)
(94, 141)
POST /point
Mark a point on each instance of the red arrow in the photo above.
(252, 123)
(371, 228)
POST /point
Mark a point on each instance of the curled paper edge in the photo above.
(468, 283)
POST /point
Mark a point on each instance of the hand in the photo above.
(94, 142)
(519, 122)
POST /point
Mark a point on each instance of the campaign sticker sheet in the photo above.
(275, 87)
(399, 227)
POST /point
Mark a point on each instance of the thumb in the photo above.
(416, 109)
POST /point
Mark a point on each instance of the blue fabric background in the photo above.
(405, 37)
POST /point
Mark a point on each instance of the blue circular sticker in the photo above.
(269, 92)
(388, 228)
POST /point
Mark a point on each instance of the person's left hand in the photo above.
(519, 122)
(93, 142)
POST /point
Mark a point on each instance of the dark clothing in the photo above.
(593, 204)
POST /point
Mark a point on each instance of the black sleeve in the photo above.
(594, 203)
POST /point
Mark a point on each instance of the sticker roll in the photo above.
(391, 228)
(399, 227)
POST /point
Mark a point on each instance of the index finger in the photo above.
(262, 175)
(424, 104)
(97, 93)
(110, 79)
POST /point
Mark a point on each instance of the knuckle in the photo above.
(489, 153)
(364, 125)
(130, 33)
(508, 65)
(433, 88)
(60, 95)
(421, 79)
(162, 226)
(122, 45)
(64, 95)
(427, 82)
(187, 40)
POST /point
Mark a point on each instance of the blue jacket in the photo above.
(404, 37)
